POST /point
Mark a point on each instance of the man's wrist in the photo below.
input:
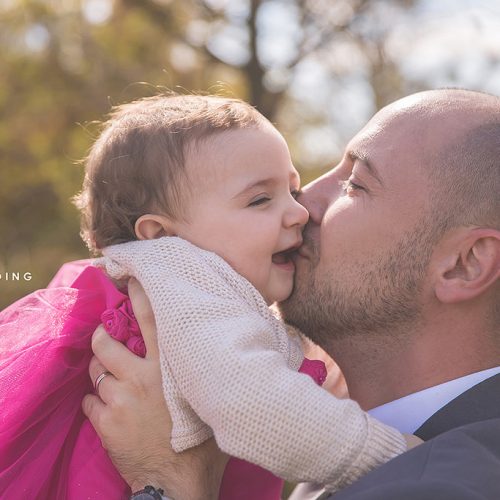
(190, 486)
(149, 493)
(194, 474)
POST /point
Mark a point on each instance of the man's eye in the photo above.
(348, 186)
(259, 201)
(295, 193)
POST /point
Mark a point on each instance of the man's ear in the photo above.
(469, 265)
(150, 227)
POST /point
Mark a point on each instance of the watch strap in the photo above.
(149, 493)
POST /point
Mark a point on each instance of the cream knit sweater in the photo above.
(230, 369)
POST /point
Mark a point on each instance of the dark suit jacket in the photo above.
(460, 459)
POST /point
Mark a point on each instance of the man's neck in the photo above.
(379, 370)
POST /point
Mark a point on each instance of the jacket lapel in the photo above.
(481, 402)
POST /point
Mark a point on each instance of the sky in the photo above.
(441, 43)
(452, 40)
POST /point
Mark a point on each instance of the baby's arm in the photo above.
(222, 358)
(264, 412)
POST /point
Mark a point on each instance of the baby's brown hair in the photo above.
(137, 164)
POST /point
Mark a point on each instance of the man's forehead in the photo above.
(407, 136)
(396, 128)
(389, 149)
(367, 140)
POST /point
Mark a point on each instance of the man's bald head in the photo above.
(460, 142)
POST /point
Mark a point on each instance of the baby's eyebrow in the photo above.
(265, 183)
(271, 181)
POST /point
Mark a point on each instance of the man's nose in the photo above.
(319, 194)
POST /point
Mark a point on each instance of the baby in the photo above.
(196, 197)
(208, 185)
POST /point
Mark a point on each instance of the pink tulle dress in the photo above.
(48, 449)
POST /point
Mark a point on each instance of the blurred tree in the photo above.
(65, 63)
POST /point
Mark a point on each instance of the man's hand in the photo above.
(132, 419)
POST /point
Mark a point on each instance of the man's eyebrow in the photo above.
(362, 158)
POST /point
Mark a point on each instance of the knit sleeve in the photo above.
(227, 368)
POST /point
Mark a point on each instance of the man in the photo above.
(398, 280)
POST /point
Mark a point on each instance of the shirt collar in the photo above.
(408, 413)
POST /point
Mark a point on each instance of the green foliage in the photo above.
(58, 73)
(62, 66)
(51, 87)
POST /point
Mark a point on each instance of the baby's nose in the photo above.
(297, 215)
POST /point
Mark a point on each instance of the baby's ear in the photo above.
(472, 267)
(150, 227)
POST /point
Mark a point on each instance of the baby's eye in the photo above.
(259, 201)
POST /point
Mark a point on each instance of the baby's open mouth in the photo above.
(285, 256)
(282, 257)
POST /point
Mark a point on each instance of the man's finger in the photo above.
(95, 369)
(104, 378)
(92, 408)
(145, 317)
(113, 355)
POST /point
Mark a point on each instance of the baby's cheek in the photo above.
(263, 282)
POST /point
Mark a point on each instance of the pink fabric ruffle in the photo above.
(48, 449)
(121, 324)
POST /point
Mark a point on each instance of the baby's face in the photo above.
(244, 206)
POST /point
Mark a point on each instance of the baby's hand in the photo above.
(412, 441)
(335, 382)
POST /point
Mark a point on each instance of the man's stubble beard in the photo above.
(370, 298)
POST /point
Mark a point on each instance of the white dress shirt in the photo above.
(408, 413)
